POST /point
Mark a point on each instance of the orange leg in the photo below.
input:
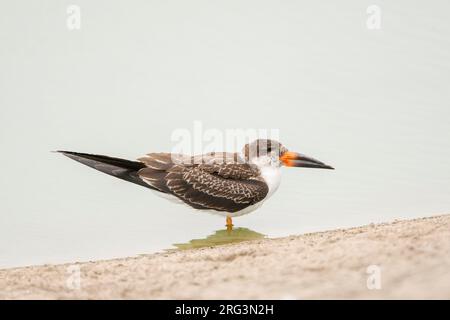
(229, 223)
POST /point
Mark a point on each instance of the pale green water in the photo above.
(374, 104)
(221, 237)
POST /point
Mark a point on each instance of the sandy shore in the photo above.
(406, 259)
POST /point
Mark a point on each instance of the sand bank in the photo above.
(402, 259)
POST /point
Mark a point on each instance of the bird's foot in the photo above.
(229, 224)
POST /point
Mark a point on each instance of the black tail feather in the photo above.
(119, 168)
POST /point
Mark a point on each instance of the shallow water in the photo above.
(374, 104)
(221, 237)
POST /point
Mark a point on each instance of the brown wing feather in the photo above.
(213, 183)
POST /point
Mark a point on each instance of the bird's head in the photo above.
(265, 152)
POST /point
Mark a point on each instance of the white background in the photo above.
(373, 103)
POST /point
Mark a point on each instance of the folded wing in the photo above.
(216, 181)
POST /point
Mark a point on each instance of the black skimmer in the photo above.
(229, 184)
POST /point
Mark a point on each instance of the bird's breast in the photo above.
(272, 177)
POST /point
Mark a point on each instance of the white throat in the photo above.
(270, 172)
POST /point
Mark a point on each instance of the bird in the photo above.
(226, 183)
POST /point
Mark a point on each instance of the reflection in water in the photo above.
(221, 237)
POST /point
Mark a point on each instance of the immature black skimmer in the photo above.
(229, 184)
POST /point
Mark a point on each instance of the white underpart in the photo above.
(272, 176)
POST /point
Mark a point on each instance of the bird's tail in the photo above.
(119, 168)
